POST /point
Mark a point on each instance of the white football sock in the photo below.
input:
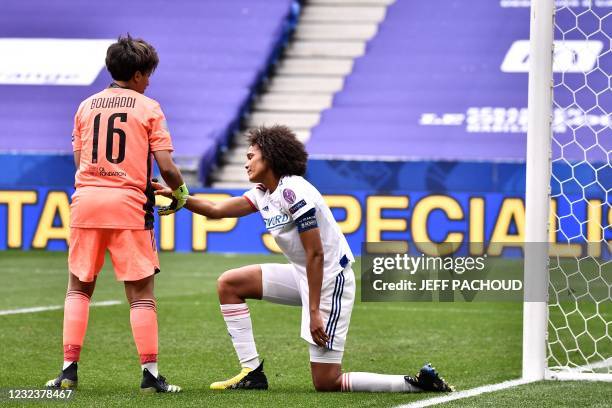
(239, 326)
(376, 383)
(152, 367)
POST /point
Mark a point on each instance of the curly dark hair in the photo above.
(281, 149)
(129, 55)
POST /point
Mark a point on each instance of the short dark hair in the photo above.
(129, 55)
(281, 149)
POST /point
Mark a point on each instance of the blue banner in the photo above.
(38, 218)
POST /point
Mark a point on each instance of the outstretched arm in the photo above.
(231, 208)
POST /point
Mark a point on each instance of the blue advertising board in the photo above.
(38, 218)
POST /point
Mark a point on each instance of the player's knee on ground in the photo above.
(326, 382)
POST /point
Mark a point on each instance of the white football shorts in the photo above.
(282, 284)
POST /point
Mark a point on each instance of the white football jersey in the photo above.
(293, 197)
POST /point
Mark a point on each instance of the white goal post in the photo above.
(567, 339)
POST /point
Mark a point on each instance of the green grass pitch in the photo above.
(472, 344)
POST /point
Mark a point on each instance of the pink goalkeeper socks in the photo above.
(76, 315)
(143, 318)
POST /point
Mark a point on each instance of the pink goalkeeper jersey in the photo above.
(116, 130)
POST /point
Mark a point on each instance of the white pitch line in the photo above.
(46, 308)
(465, 394)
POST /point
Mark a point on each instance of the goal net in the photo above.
(579, 342)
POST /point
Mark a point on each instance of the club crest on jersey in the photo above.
(289, 195)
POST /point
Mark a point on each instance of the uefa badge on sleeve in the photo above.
(289, 195)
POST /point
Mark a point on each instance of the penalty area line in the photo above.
(466, 394)
(59, 307)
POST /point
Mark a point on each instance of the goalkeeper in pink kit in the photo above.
(116, 134)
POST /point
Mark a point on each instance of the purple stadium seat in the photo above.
(212, 54)
(429, 61)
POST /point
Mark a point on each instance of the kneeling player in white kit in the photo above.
(318, 277)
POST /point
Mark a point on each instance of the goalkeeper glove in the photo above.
(179, 199)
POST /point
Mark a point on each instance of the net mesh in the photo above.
(580, 306)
